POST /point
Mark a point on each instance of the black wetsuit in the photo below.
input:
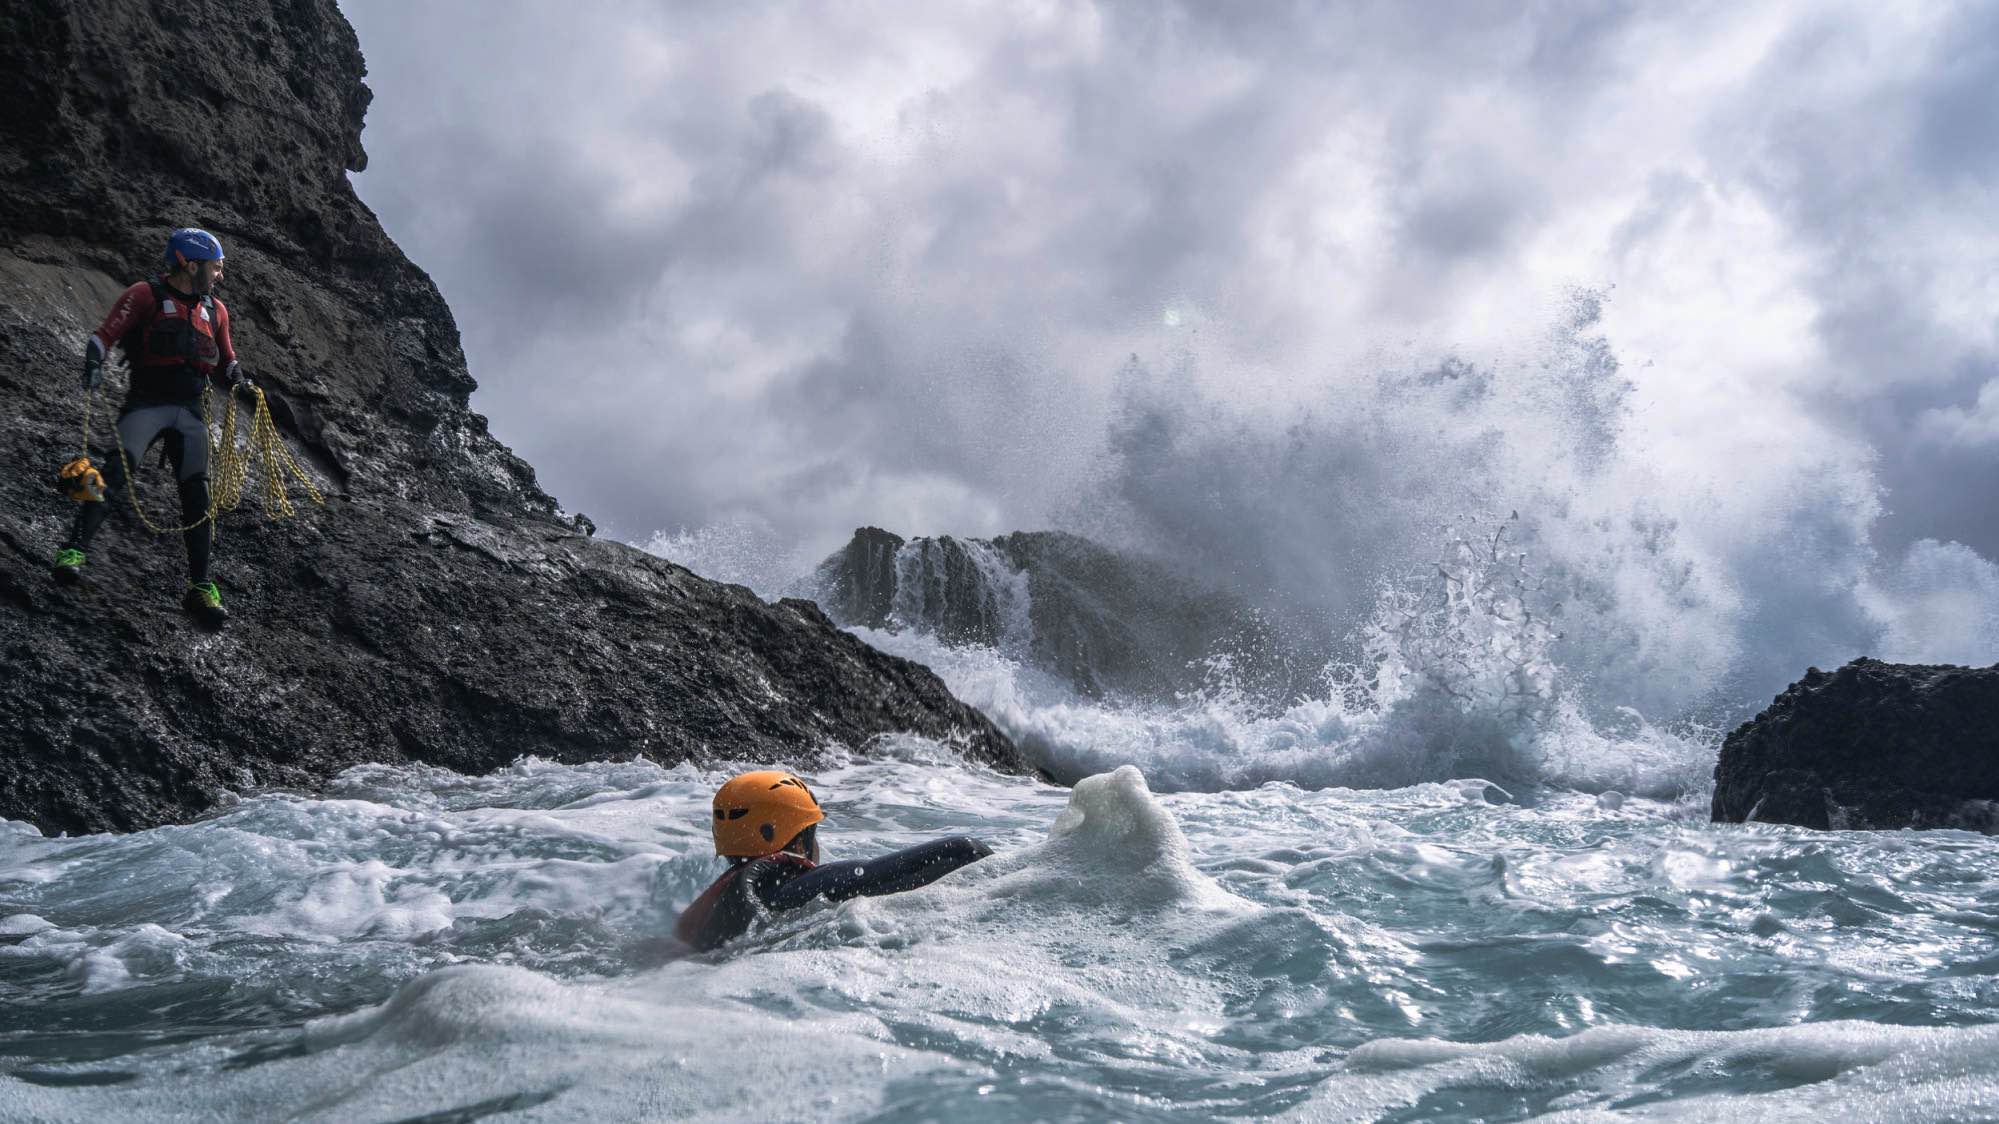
(785, 881)
(176, 344)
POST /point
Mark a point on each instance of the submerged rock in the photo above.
(442, 608)
(1872, 745)
(1107, 621)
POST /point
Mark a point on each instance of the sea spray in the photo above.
(964, 592)
(1455, 675)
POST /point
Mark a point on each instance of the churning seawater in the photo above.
(417, 945)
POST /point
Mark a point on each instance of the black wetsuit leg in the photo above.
(186, 443)
(890, 874)
(186, 438)
(91, 516)
(138, 425)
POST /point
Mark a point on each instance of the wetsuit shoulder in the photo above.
(729, 907)
(892, 873)
(783, 882)
(132, 305)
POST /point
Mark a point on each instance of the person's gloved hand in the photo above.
(239, 383)
(93, 372)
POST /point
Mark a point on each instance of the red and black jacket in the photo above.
(174, 342)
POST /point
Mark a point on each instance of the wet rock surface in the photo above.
(1873, 746)
(1109, 622)
(441, 608)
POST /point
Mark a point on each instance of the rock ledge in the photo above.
(1872, 745)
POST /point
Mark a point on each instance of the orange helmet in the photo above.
(757, 813)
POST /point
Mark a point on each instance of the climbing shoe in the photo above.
(69, 566)
(204, 602)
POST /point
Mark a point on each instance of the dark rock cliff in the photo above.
(1109, 622)
(440, 609)
(857, 584)
(1872, 745)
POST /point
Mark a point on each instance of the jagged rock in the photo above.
(857, 585)
(1872, 745)
(1110, 623)
(441, 609)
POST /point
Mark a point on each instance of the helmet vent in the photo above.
(757, 812)
(794, 782)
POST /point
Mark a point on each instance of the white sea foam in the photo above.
(1439, 950)
(1852, 1071)
(1398, 732)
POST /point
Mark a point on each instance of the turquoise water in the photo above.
(417, 945)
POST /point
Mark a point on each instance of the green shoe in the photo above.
(69, 566)
(204, 601)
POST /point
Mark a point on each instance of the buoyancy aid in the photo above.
(173, 349)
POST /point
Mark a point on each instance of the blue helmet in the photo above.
(188, 244)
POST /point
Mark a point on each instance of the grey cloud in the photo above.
(1473, 214)
(1957, 132)
(1867, 172)
(745, 309)
(1669, 193)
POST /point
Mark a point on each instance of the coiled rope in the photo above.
(229, 464)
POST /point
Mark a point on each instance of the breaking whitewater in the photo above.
(1459, 867)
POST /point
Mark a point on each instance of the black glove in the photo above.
(239, 383)
(93, 372)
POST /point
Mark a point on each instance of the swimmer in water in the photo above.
(766, 825)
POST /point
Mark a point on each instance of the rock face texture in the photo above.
(857, 585)
(1108, 622)
(1872, 745)
(441, 608)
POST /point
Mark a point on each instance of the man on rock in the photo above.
(175, 336)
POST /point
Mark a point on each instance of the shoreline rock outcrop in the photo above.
(442, 608)
(1871, 746)
(1109, 622)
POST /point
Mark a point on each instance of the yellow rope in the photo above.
(229, 465)
(277, 462)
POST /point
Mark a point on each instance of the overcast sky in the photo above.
(811, 266)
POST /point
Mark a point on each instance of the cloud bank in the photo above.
(797, 268)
